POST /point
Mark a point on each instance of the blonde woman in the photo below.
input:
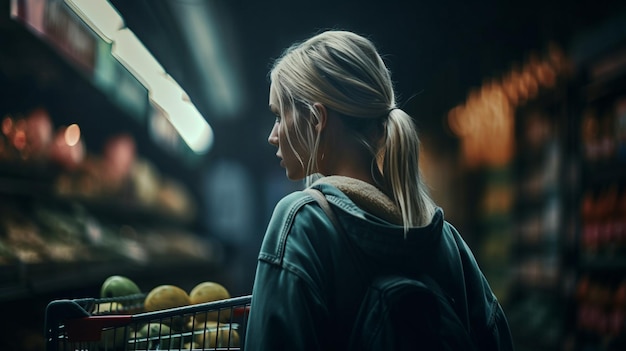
(339, 127)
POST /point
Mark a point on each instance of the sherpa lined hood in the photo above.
(366, 196)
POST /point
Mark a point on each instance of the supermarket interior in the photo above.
(134, 143)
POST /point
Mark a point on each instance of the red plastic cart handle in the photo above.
(240, 311)
(90, 328)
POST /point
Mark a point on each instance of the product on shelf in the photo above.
(67, 148)
(39, 132)
(117, 159)
(601, 310)
(26, 138)
(22, 236)
(603, 221)
(117, 174)
(174, 198)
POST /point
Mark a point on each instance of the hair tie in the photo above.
(386, 115)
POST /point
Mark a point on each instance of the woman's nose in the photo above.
(273, 137)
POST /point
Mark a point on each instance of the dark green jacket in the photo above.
(307, 288)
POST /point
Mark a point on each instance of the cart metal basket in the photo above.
(112, 324)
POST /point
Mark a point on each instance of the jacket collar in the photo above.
(366, 196)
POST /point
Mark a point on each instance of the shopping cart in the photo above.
(112, 324)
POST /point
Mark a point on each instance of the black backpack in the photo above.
(400, 313)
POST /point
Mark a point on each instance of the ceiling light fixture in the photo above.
(163, 90)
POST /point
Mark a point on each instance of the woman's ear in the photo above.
(323, 116)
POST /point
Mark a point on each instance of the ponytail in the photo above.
(401, 174)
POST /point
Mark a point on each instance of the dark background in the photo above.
(436, 50)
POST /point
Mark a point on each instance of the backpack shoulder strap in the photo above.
(319, 197)
(321, 200)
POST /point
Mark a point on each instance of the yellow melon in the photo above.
(165, 297)
(209, 292)
(218, 337)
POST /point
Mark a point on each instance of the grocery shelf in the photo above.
(54, 241)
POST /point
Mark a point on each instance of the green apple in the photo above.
(117, 286)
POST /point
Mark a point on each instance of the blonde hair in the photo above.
(344, 72)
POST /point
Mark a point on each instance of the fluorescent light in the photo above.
(99, 15)
(193, 128)
(163, 90)
(104, 19)
(166, 91)
(129, 50)
(183, 115)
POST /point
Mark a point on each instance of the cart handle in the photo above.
(241, 311)
(90, 328)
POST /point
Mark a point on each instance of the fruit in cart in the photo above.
(118, 286)
(108, 308)
(220, 336)
(196, 326)
(114, 339)
(191, 346)
(156, 336)
(208, 292)
(165, 297)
